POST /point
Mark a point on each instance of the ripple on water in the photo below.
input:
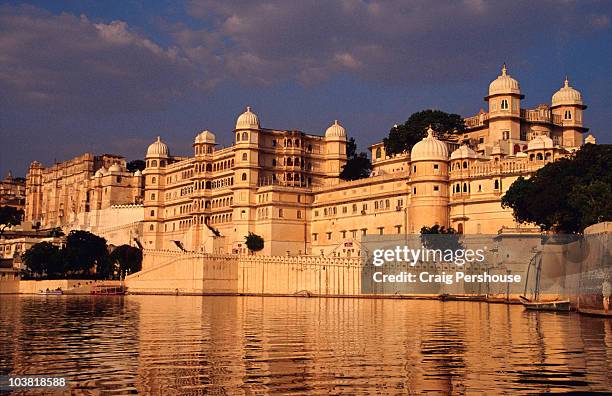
(238, 345)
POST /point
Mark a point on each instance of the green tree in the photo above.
(440, 237)
(254, 242)
(402, 137)
(567, 195)
(9, 216)
(358, 165)
(43, 260)
(86, 254)
(127, 259)
(135, 165)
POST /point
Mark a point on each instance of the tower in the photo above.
(428, 184)
(34, 193)
(156, 161)
(335, 150)
(246, 173)
(567, 108)
(504, 100)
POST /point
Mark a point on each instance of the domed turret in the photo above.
(590, 139)
(504, 84)
(206, 137)
(335, 131)
(99, 172)
(158, 149)
(567, 96)
(430, 148)
(463, 152)
(138, 173)
(247, 120)
(540, 142)
(114, 168)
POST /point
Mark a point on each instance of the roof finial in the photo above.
(504, 69)
(430, 131)
(159, 138)
(335, 122)
(248, 109)
(566, 82)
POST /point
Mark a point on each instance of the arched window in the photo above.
(244, 177)
(378, 153)
(154, 163)
(151, 227)
(152, 213)
(504, 104)
(245, 136)
(548, 156)
(273, 161)
(567, 115)
(465, 164)
(152, 195)
(297, 143)
(539, 157)
(162, 163)
(289, 162)
(465, 187)
(460, 228)
(244, 156)
(496, 185)
(238, 137)
(531, 157)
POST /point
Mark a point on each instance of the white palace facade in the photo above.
(284, 185)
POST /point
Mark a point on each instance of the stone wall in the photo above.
(172, 272)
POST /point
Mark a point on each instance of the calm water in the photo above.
(252, 345)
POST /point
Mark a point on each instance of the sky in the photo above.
(109, 76)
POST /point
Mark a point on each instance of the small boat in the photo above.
(56, 292)
(535, 304)
(558, 305)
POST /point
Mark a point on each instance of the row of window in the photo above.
(354, 233)
(383, 204)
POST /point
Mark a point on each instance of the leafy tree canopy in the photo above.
(43, 259)
(567, 195)
(86, 252)
(254, 242)
(402, 137)
(127, 259)
(135, 165)
(358, 165)
(9, 216)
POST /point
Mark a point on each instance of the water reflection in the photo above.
(246, 345)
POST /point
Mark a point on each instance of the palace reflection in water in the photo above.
(246, 345)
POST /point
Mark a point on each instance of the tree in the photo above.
(135, 165)
(43, 260)
(567, 195)
(254, 242)
(127, 259)
(402, 137)
(86, 253)
(440, 237)
(358, 165)
(9, 216)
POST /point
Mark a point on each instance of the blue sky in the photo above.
(109, 76)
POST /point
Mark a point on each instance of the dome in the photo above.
(205, 137)
(247, 120)
(158, 149)
(99, 172)
(463, 152)
(114, 168)
(138, 173)
(430, 148)
(335, 131)
(590, 139)
(540, 142)
(504, 84)
(567, 96)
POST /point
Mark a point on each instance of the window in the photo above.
(315, 236)
(465, 164)
(244, 177)
(273, 161)
(567, 115)
(506, 135)
(414, 169)
(343, 234)
(152, 195)
(496, 185)
(238, 137)
(436, 188)
(244, 156)
(436, 166)
(329, 236)
(274, 145)
(481, 140)
(152, 213)
(399, 229)
(504, 104)
(151, 227)
(245, 136)
(280, 213)
(414, 190)
(465, 187)
(378, 153)
(381, 230)
(299, 214)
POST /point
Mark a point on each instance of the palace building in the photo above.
(284, 185)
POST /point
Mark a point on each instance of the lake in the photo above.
(290, 345)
